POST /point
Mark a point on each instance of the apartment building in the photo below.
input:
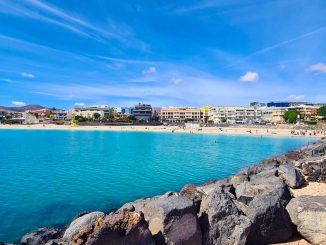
(278, 114)
(307, 113)
(180, 114)
(143, 112)
(235, 115)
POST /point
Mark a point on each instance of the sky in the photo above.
(165, 53)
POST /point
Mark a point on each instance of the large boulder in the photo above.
(308, 214)
(81, 222)
(118, 228)
(291, 175)
(261, 185)
(270, 221)
(192, 193)
(41, 236)
(265, 165)
(221, 221)
(172, 219)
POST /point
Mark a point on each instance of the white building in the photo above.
(236, 115)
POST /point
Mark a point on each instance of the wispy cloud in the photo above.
(28, 75)
(176, 80)
(149, 70)
(18, 103)
(80, 104)
(123, 60)
(44, 12)
(208, 4)
(249, 77)
(296, 97)
(5, 80)
(278, 45)
(318, 68)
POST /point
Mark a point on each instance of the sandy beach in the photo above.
(234, 130)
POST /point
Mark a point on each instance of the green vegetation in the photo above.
(80, 118)
(96, 116)
(74, 123)
(322, 111)
(132, 118)
(291, 116)
(109, 118)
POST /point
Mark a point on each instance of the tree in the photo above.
(291, 116)
(74, 123)
(80, 119)
(96, 115)
(109, 117)
(131, 118)
(322, 111)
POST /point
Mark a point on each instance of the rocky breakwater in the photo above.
(255, 206)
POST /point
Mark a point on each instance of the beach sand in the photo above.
(312, 189)
(234, 130)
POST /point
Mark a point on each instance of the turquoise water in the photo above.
(47, 177)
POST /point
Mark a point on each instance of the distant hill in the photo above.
(22, 108)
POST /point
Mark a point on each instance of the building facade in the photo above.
(180, 114)
(235, 115)
(143, 112)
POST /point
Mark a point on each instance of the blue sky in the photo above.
(181, 53)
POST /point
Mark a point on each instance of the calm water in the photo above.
(47, 177)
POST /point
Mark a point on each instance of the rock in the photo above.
(292, 176)
(293, 155)
(237, 179)
(308, 214)
(259, 185)
(121, 227)
(172, 219)
(221, 221)
(192, 193)
(79, 223)
(270, 221)
(264, 174)
(315, 170)
(81, 214)
(265, 165)
(41, 236)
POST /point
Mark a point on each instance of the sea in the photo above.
(47, 177)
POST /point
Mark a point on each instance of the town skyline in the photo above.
(184, 53)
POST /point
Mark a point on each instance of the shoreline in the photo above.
(230, 188)
(232, 130)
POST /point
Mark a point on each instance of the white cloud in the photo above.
(176, 80)
(250, 77)
(79, 104)
(18, 103)
(26, 74)
(150, 70)
(296, 97)
(320, 67)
